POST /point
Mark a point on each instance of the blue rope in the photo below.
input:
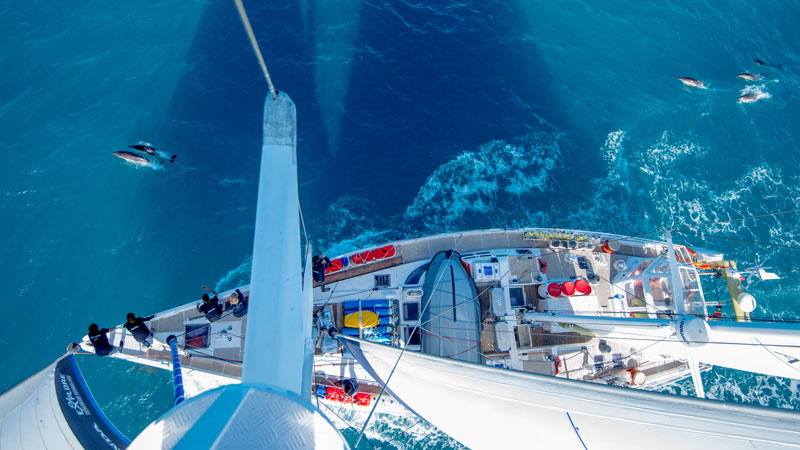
(177, 378)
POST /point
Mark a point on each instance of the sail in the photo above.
(54, 409)
(773, 350)
(473, 403)
(451, 320)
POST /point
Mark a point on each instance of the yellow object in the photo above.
(734, 289)
(368, 320)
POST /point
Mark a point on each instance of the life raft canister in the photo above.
(334, 394)
(356, 259)
(567, 288)
(582, 287)
(336, 265)
(388, 251)
(367, 256)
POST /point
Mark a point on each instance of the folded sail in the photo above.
(451, 320)
(473, 402)
(54, 409)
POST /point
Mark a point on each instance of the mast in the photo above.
(274, 349)
(272, 407)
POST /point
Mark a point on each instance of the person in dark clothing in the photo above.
(211, 307)
(99, 340)
(138, 328)
(238, 303)
(349, 386)
(318, 265)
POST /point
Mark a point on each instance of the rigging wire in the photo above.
(257, 50)
(403, 350)
(402, 433)
(346, 423)
(765, 244)
(254, 43)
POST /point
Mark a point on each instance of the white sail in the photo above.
(485, 407)
(54, 409)
(773, 350)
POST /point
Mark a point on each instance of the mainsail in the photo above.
(55, 409)
(484, 407)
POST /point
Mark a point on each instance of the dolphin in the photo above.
(752, 98)
(749, 76)
(692, 82)
(132, 158)
(149, 149)
(766, 64)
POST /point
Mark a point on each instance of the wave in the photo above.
(743, 387)
(238, 276)
(390, 430)
(760, 91)
(487, 185)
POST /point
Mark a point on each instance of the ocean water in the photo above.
(414, 118)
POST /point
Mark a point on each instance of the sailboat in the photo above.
(530, 336)
(514, 355)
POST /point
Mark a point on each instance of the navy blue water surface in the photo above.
(414, 118)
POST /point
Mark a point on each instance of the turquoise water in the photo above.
(414, 119)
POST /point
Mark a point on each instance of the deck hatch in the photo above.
(383, 281)
(197, 336)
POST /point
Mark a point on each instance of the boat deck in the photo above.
(222, 356)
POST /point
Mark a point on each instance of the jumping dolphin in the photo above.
(692, 82)
(149, 149)
(748, 76)
(132, 158)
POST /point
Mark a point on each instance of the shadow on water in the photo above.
(431, 82)
(426, 83)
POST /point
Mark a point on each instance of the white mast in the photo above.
(273, 353)
(272, 407)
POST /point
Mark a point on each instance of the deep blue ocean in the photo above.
(414, 117)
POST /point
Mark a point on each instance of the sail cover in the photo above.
(450, 324)
(54, 409)
(487, 407)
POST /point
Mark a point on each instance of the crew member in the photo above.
(238, 303)
(99, 340)
(138, 328)
(349, 386)
(211, 307)
(318, 266)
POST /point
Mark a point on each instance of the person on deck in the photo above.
(211, 307)
(349, 386)
(138, 328)
(318, 265)
(238, 303)
(99, 340)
